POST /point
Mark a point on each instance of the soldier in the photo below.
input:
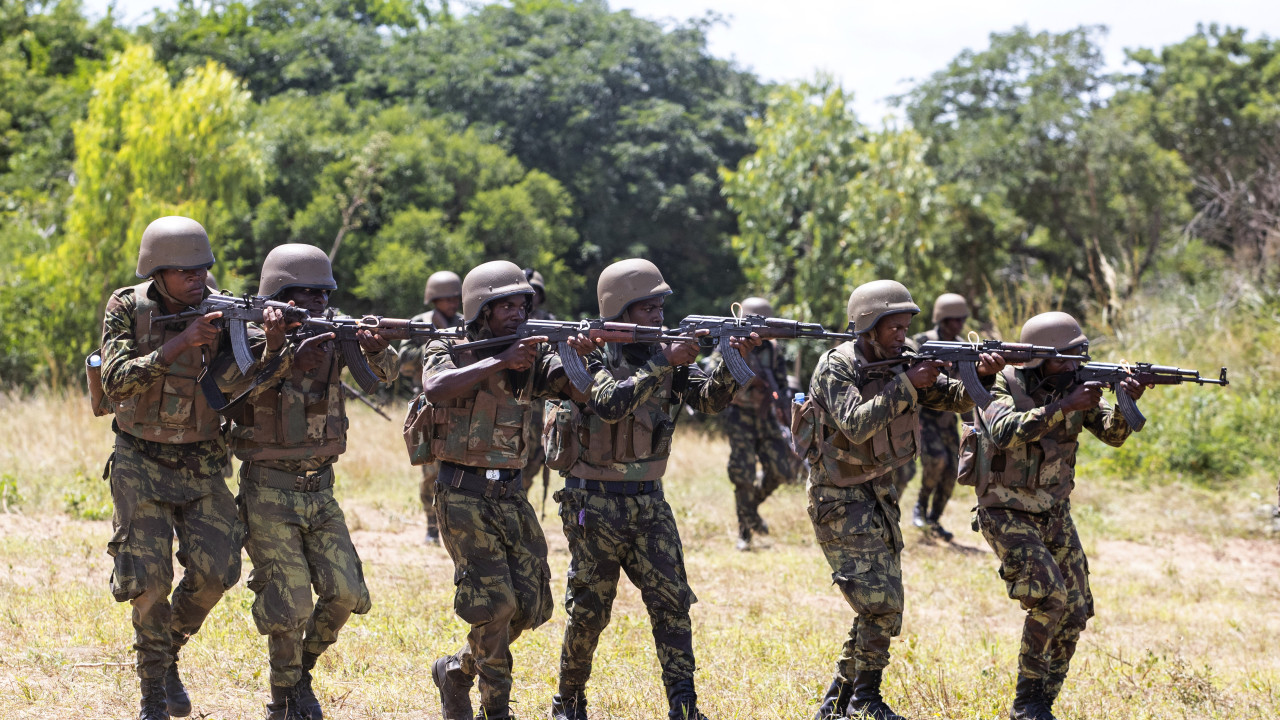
(754, 423)
(444, 295)
(288, 435)
(482, 410)
(864, 426)
(939, 431)
(612, 506)
(536, 466)
(1032, 429)
(166, 468)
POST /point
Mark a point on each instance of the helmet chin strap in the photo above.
(158, 281)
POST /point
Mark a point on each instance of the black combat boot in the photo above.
(683, 700)
(152, 706)
(284, 704)
(835, 704)
(943, 533)
(308, 705)
(866, 703)
(175, 694)
(1053, 686)
(918, 514)
(1029, 702)
(455, 688)
(569, 706)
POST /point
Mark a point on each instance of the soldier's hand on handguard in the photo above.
(275, 327)
(925, 373)
(522, 354)
(685, 351)
(583, 344)
(990, 363)
(744, 345)
(1085, 396)
(1134, 388)
(371, 342)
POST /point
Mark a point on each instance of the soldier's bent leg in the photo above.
(142, 549)
(593, 525)
(655, 565)
(742, 467)
(1032, 578)
(210, 535)
(1064, 543)
(775, 458)
(336, 572)
(938, 468)
(427, 494)
(280, 579)
(869, 574)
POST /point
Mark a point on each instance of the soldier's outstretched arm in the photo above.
(946, 394)
(834, 384)
(1010, 428)
(614, 399)
(710, 393)
(1107, 424)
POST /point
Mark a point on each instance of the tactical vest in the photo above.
(489, 427)
(288, 422)
(1049, 461)
(848, 463)
(173, 410)
(642, 438)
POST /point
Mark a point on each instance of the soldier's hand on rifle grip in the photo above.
(1133, 387)
(925, 373)
(275, 327)
(990, 363)
(521, 355)
(1086, 396)
(744, 345)
(583, 344)
(685, 352)
(312, 351)
(201, 331)
(371, 342)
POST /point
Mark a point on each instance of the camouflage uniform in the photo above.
(536, 466)
(618, 519)
(166, 477)
(754, 433)
(939, 451)
(496, 544)
(1024, 513)
(411, 352)
(870, 431)
(288, 435)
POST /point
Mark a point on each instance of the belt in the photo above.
(281, 480)
(489, 482)
(619, 487)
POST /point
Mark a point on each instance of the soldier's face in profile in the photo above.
(309, 299)
(506, 314)
(447, 306)
(891, 332)
(644, 312)
(185, 286)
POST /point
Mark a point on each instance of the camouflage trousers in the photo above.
(151, 502)
(299, 541)
(427, 494)
(940, 451)
(863, 545)
(503, 583)
(1044, 567)
(751, 437)
(611, 533)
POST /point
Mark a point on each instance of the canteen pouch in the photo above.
(417, 430)
(560, 434)
(93, 376)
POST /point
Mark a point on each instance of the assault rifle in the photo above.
(356, 394)
(559, 332)
(237, 313)
(346, 327)
(965, 356)
(721, 329)
(1113, 374)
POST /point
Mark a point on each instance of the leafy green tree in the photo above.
(825, 204)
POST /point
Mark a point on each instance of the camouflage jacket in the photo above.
(1041, 441)
(837, 386)
(291, 404)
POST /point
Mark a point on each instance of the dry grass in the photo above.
(1187, 581)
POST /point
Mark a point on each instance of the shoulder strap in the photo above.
(1018, 389)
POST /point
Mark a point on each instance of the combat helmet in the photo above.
(949, 305)
(871, 301)
(173, 242)
(535, 280)
(627, 281)
(442, 284)
(757, 306)
(490, 281)
(1057, 330)
(295, 265)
